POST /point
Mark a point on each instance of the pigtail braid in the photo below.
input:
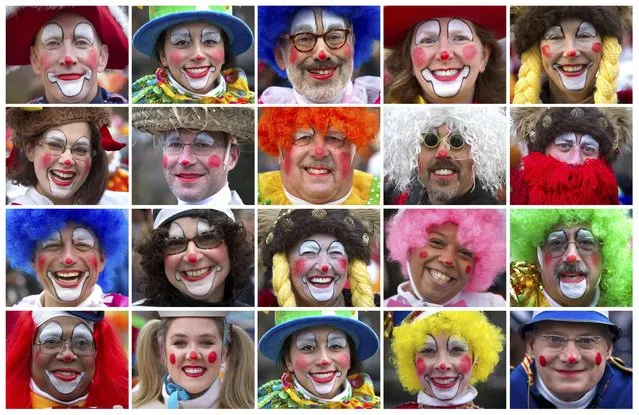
(528, 87)
(361, 284)
(606, 83)
(282, 281)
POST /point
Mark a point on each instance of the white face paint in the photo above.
(64, 382)
(573, 290)
(50, 331)
(84, 31)
(63, 184)
(459, 31)
(54, 239)
(332, 21)
(307, 340)
(70, 88)
(303, 21)
(67, 294)
(321, 287)
(52, 34)
(573, 83)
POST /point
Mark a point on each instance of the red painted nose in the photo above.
(185, 163)
(571, 53)
(319, 152)
(322, 55)
(442, 154)
(192, 258)
(325, 268)
(442, 366)
(571, 259)
(325, 363)
(199, 57)
(444, 56)
(68, 60)
(193, 355)
(68, 261)
(67, 358)
(448, 262)
(67, 162)
(572, 360)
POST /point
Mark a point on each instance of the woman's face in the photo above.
(62, 160)
(194, 353)
(68, 263)
(571, 54)
(63, 358)
(447, 57)
(441, 268)
(320, 358)
(194, 54)
(444, 364)
(319, 269)
(196, 258)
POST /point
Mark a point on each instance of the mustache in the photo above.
(329, 63)
(324, 163)
(443, 164)
(578, 267)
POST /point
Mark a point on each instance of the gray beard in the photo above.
(324, 93)
(441, 197)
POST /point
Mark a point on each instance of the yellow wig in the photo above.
(485, 340)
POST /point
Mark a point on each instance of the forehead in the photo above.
(570, 329)
(195, 26)
(447, 229)
(188, 222)
(72, 130)
(193, 326)
(320, 332)
(571, 22)
(570, 229)
(68, 20)
(442, 24)
(68, 323)
(310, 18)
(320, 238)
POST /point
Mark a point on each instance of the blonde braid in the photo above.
(606, 84)
(361, 284)
(528, 87)
(282, 281)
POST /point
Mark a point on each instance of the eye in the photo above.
(335, 140)
(51, 343)
(82, 43)
(465, 254)
(436, 243)
(460, 38)
(81, 151)
(179, 343)
(427, 40)
(554, 339)
(52, 43)
(55, 145)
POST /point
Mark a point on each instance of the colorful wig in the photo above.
(277, 126)
(484, 129)
(25, 227)
(529, 227)
(273, 22)
(481, 231)
(110, 385)
(485, 340)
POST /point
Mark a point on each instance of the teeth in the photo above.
(67, 274)
(572, 68)
(317, 171)
(64, 176)
(197, 70)
(324, 375)
(445, 381)
(320, 71)
(321, 280)
(61, 373)
(197, 273)
(439, 276)
(449, 72)
(193, 370)
(443, 172)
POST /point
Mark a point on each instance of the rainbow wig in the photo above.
(26, 227)
(274, 21)
(481, 231)
(277, 126)
(485, 340)
(484, 129)
(529, 228)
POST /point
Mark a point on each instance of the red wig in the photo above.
(277, 126)
(110, 385)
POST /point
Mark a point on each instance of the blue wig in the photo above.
(25, 227)
(273, 21)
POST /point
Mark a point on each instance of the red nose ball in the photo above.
(445, 56)
(572, 360)
(442, 154)
(442, 366)
(192, 258)
(68, 261)
(68, 60)
(193, 355)
(571, 53)
(571, 259)
(325, 268)
(67, 358)
(322, 55)
(67, 162)
(185, 163)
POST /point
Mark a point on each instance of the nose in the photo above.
(68, 255)
(572, 255)
(444, 54)
(321, 51)
(570, 51)
(191, 254)
(446, 256)
(571, 354)
(66, 354)
(198, 55)
(186, 157)
(66, 158)
(442, 366)
(574, 157)
(193, 355)
(67, 57)
(323, 263)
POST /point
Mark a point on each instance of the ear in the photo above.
(162, 56)
(289, 364)
(102, 262)
(530, 341)
(104, 58)
(234, 156)
(29, 151)
(35, 62)
(279, 52)
(484, 61)
(608, 349)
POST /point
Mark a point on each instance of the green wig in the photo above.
(613, 227)
(485, 340)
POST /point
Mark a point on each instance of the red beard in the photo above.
(545, 180)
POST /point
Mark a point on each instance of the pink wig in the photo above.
(481, 231)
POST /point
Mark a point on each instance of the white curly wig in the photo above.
(484, 129)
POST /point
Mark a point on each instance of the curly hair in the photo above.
(156, 287)
(486, 342)
(484, 130)
(529, 227)
(490, 87)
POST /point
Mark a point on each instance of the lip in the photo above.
(444, 173)
(70, 76)
(318, 171)
(67, 281)
(199, 74)
(450, 381)
(322, 379)
(194, 371)
(572, 278)
(200, 274)
(313, 280)
(455, 72)
(327, 73)
(569, 373)
(54, 175)
(438, 281)
(559, 68)
(188, 177)
(65, 374)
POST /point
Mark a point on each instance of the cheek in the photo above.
(165, 161)
(175, 58)
(42, 259)
(45, 161)
(545, 50)
(342, 264)
(46, 59)
(423, 254)
(346, 51)
(542, 361)
(212, 357)
(547, 260)
(93, 260)
(293, 56)
(420, 58)
(302, 363)
(87, 165)
(596, 258)
(469, 268)
(172, 358)
(92, 58)
(217, 55)
(345, 163)
(288, 162)
(343, 361)
(421, 367)
(469, 52)
(300, 266)
(214, 161)
(171, 261)
(40, 359)
(465, 364)
(598, 359)
(596, 47)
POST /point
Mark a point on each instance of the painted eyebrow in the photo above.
(335, 337)
(460, 27)
(430, 340)
(557, 29)
(176, 231)
(82, 234)
(456, 341)
(49, 29)
(203, 226)
(82, 331)
(180, 33)
(305, 337)
(589, 29)
(80, 31)
(55, 237)
(51, 329)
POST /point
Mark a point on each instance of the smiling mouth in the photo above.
(572, 70)
(323, 377)
(195, 275)
(444, 174)
(318, 171)
(439, 277)
(444, 382)
(321, 74)
(68, 278)
(569, 373)
(321, 281)
(66, 374)
(572, 277)
(188, 177)
(62, 178)
(194, 371)
(198, 72)
(446, 75)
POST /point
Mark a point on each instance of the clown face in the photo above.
(573, 148)
(196, 259)
(194, 353)
(445, 168)
(570, 265)
(194, 54)
(67, 264)
(63, 358)
(67, 55)
(319, 269)
(320, 359)
(570, 357)
(318, 168)
(447, 57)
(201, 169)
(571, 54)
(444, 364)
(319, 73)
(442, 268)
(60, 172)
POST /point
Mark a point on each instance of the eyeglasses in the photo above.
(204, 144)
(559, 343)
(78, 151)
(207, 240)
(455, 141)
(306, 41)
(557, 242)
(79, 347)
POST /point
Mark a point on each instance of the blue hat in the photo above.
(288, 322)
(596, 317)
(162, 17)
(273, 21)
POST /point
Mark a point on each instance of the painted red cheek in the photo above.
(343, 361)
(41, 261)
(165, 161)
(545, 50)
(301, 363)
(172, 358)
(542, 361)
(87, 165)
(288, 162)
(299, 266)
(94, 262)
(465, 364)
(468, 269)
(45, 60)
(423, 255)
(469, 52)
(547, 258)
(218, 55)
(215, 161)
(598, 359)
(175, 58)
(92, 58)
(596, 258)
(419, 57)
(193, 355)
(212, 357)
(345, 163)
(46, 160)
(596, 47)
(343, 263)
(293, 55)
(420, 366)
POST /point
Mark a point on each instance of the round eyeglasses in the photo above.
(57, 148)
(79, 347)
(556, 244)
(306, 41)
(454, 142)
(204, 143)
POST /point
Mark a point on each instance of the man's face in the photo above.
(68, 263)
(319, 269)
(571, 54)
(573, 148)
(67, 55)
(447, 57)
(194, 162)
(320, 73)
(318, 168)
(444, 166)
(570, 357)
(63, 370)
(570, 264)
(194, 54)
